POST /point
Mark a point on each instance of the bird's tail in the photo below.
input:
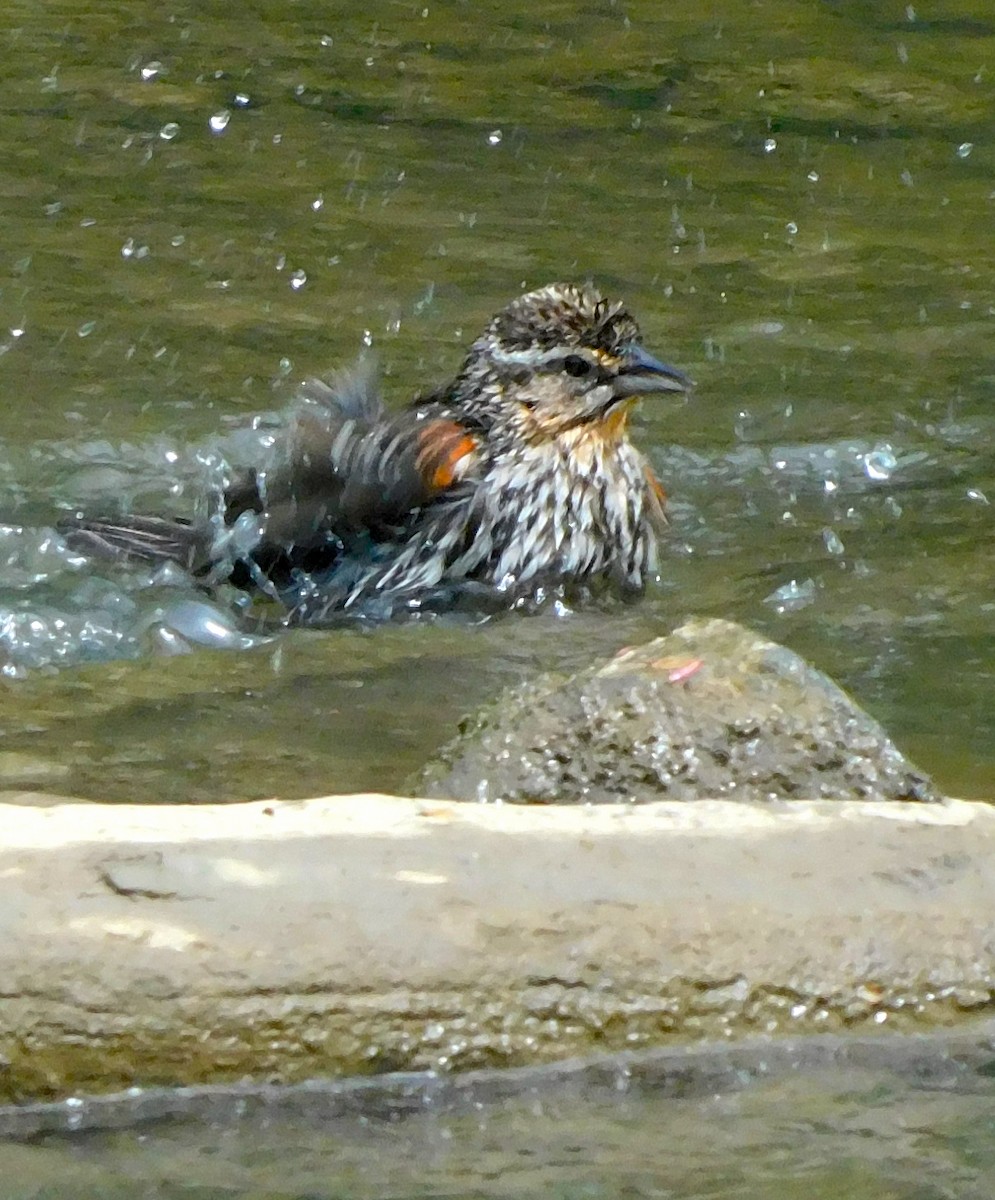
(135, 538)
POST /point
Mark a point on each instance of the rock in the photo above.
(711, 711)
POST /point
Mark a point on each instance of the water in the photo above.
(886, 1121)
(796, 202)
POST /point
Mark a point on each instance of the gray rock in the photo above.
(711, 711)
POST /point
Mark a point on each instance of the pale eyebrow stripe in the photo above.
(529, 358)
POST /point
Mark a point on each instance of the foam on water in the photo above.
(59, 608)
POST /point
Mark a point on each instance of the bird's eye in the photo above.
(576, 366)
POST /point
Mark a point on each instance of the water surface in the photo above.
(795, 199)
(901, 1120)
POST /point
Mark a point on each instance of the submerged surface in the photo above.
(907, 1121)
(795, 201)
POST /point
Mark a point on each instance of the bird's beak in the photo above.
(641, 374)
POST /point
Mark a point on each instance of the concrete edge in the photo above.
(351, 935)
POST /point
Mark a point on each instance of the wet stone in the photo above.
(711, 711)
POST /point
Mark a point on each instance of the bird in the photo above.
(516, 477)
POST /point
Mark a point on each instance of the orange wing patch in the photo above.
(442, 446)
(657, 493)
(656, 487)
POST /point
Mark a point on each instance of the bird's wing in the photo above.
(656, 499)
(343, 474)
(344, 469)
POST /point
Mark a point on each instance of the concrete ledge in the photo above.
(147, 946)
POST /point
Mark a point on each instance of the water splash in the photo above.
(792, 596)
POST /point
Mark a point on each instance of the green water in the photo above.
(910, 1122)
(795, 198)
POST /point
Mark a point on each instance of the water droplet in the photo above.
(880, 462)
(770, 145)
(327, 40)
(178, 239)
(907, 179)
(964, 149)
(151, 70)
(792, 596)
(903, 54)
(128, 249)
(832, 542)
(298, 279)
(494, 137)
(86, 329)
(318, 203)
(169, 131)
(813, 176)
(242, 100)
(974, 494)
(219, 121)
(367, 337)
(792, 228)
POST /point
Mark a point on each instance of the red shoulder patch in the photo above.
(442, 446)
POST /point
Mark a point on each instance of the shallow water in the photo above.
(905, 1120)
(795, 199)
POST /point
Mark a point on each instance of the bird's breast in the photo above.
(576, 510)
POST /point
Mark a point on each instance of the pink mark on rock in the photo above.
(685, 670)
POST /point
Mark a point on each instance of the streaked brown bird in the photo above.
(517, 476)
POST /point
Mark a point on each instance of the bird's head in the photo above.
(558, 359)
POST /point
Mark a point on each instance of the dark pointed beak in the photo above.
(642, 374)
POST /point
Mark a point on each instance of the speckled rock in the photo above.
(712, 710)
